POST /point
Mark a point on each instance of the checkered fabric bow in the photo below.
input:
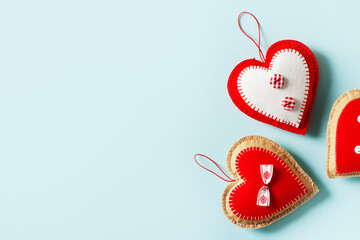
(288, 103)
(263, 198)
(277, 81)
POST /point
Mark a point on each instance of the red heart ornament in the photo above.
(251, 86)
(289, 187)
(343, 153)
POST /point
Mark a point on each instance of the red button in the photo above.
(277, 81)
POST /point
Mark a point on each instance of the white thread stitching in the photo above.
(307, 87)
(231, 204)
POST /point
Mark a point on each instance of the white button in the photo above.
(358, 118)
(357, 149)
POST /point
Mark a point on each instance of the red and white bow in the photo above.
(263, 198)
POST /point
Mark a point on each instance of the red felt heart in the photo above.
(285, 187)
(343, 159)
(252, 91)
(347, 159)
(289, 186)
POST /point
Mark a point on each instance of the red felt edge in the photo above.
(314, 79)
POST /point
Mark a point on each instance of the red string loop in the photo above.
(257, 44)
(226, 180)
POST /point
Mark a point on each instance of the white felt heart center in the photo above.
(255, 88)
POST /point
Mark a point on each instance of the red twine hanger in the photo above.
(257, 44)
(226, 180)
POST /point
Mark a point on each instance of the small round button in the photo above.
(357, 149)
(277, 81)
(288, 103)
(358, 118)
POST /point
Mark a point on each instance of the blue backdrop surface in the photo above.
(104, 103)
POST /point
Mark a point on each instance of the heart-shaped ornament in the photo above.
(279, 91)
(343, 144)
(251, 161)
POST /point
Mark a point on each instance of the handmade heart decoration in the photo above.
(343, 144)
(280, 89)
(251, 160)
(267, 183)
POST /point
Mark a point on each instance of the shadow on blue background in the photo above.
(319, 114)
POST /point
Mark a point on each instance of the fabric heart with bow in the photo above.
(242, 201)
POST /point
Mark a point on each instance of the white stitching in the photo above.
(236, 188)
(307, 85)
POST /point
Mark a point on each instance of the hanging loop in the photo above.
(256, 44)
(226, 180)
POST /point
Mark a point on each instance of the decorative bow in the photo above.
(263, 198)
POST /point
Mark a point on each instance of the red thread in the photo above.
(226, 180)
(257, 44)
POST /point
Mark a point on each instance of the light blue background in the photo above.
(104, 104)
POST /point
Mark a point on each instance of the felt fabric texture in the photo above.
(342, 136)
(289, 187)
(250, 91)
(253, 87)
(347, 138)
(285, 187)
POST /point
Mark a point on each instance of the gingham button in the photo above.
(288, 103)
(357, 149)
(277, 81)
